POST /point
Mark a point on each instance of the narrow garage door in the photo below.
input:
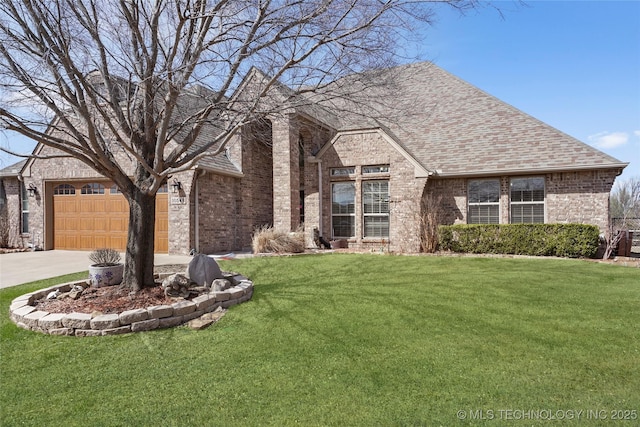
(92, 215)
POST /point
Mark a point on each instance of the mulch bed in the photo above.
(112, 299)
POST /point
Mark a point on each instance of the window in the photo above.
(114, 190)
(24, 209)
(484, 201)
(375, 169)
(527, 200)
(375, 208)
(343, 171)
(343, 204)
(93, 188)
(64, 189)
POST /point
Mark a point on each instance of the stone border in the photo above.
(25, 315)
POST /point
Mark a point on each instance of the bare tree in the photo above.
(624, 213)
(625, 199)
(95, 79)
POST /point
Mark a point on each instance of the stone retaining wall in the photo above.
(26, 315)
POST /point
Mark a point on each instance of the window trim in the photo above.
(542, 202)
(366, 215)
(351, 215)
(64, 190)
(24, 209)
(95, 187)
(471, 204)
(343, 172)
(369, 170)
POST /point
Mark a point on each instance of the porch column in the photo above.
(286, 174)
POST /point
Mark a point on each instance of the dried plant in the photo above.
(430, 208)
(268, 240)
(105, 257)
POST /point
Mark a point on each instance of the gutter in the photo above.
(529, 171)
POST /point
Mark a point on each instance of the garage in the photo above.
(90, 215)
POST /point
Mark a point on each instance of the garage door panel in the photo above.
(85, 224)
(101, 241)
(118, 242)
(118, 224)
(90, 221)
(100, 205)
(101, 223)
(87, 242)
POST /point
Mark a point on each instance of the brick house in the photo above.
(359, 178)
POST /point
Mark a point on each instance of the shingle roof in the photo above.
(14, 169)
(452, 126)
(189, 102)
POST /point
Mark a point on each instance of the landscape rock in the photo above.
(77, 321)
(203, 270)
(53, 294)
(176, 285)
(207, 319)
(106, 321)
(220, 285)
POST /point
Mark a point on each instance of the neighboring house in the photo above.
(360, 178)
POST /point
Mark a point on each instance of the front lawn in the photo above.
(355, 340)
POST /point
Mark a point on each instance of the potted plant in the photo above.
(106, 269)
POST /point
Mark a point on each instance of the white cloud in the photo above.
(637, 133)
(607, 140)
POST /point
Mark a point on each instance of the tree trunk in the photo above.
(138, 270)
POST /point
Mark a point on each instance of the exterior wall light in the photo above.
(176, 186)
(33, 191)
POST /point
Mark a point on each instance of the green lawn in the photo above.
(356, 340)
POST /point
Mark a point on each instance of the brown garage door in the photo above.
(92, 215)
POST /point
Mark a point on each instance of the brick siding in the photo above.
(571, 197)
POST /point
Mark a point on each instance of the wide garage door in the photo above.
(91, 215)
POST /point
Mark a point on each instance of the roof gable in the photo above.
(449, 125)
(419, 170)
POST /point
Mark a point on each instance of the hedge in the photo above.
(562, 240)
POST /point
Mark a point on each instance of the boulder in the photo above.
(176, 285)
(220, 285)
(203, 270)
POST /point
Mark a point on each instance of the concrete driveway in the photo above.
(22, 267)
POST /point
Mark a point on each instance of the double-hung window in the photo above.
(375, 208)
(343, 209)
(24, 209)
(527, 200)
(484, 201)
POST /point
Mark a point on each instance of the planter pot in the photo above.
(106, 276)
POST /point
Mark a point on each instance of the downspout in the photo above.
(320, 197)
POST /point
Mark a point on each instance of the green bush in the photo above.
(563, 240)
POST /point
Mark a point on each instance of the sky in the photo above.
(575, 65)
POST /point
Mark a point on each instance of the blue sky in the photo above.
(572, 64)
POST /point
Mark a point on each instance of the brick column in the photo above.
(286, 174)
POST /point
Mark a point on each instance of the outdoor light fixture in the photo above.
(176, 186)
(33, 191)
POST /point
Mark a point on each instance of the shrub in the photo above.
(563, 240)
(268, 240)
(105, 257)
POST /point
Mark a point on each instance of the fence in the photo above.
(631, 224)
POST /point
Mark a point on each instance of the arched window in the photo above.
(92, 188)
(64, 189)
